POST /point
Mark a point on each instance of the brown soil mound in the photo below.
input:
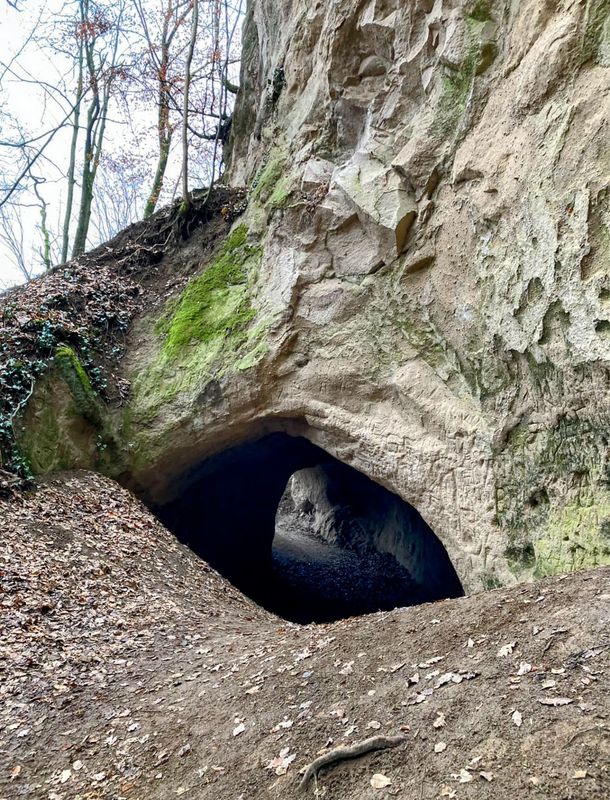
(131, 670)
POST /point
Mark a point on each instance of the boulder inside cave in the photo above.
(306, 536)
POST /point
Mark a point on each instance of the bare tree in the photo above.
(108, 67)
(71, 173)
(91, 47)
(164, 47)
(118, 195)
(13, 241)
(100, 67)
(185, 107)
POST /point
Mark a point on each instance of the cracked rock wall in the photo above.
(430, 193)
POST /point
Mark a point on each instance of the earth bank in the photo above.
(131, 670)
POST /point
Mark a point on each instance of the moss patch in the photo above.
(62, 426)
(458, 84)
(215, 304)
(553, 497)
(265, 183)
(205, 333)
(574, 538)
(75, 375)
(596, 40)
(480, 11)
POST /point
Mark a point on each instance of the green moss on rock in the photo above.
(271, 189)
(553, 499)
(265, 184)
(75, 375)
(62, 426)
(205, 333)
(480, 11)
(596, 42)
(215, 304)
(574, 538)
(458, 84)
(490, 581)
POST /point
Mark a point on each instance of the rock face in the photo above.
(420, 283)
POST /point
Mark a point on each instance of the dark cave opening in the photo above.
(306, 536)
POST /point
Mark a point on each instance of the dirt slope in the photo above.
(130, 670)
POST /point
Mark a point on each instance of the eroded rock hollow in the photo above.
(305, 535)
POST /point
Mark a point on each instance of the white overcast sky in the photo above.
(27, 104)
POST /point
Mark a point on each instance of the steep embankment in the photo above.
(130, 670)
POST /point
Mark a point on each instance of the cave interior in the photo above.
(305, 535)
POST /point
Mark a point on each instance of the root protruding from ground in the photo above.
(345, 753)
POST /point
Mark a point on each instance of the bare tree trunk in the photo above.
(65, 239)
(164, 128)
(153, 198)
(86, 197)
(97, 116)
(185, 112)
(45, 253)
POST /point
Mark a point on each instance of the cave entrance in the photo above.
(306, 536)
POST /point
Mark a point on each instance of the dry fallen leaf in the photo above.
(280, 764)
(379, 781)
(517, 718)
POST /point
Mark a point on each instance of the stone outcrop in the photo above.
(420, 283)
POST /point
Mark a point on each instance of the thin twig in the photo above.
(421, 788)
(23, 402)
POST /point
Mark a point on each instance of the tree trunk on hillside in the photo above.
(65, 241)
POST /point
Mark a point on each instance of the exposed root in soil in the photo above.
(345, 753)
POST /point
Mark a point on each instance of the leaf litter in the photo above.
(128, 665)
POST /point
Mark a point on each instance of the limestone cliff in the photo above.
(420, 282)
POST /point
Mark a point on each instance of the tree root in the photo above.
(353, 751)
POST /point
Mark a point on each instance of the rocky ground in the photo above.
(130, 670)
(318, 581)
